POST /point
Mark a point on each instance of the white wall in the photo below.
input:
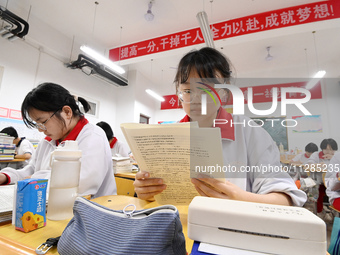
(24, 70)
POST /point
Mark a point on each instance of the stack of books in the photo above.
(121, 165)
(7, 148)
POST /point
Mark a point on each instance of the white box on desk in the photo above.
(256, 227)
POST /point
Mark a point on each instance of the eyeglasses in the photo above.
(42, 126)
(187, 96)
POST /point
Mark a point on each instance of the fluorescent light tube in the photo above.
(320, 74)
(205, 29)
(317, 77)
(155, 95)
(102, 59)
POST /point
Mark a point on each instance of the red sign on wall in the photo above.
(286, 17)
(171, 102)
(263, 94)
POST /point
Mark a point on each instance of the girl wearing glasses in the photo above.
(197, 73)
(54, 111)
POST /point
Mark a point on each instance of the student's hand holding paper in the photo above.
(145, 187)
(211, 187)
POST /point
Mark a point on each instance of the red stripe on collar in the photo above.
(72, 136)
(321, 154)
(113, 142)
(227, 130)
(306, 155)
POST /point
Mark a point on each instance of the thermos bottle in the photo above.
(64, 181)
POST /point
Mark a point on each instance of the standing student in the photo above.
(54, 111)
(328, 148)
(24, 148)
(302, 158)
(242, 145)
(117, 147)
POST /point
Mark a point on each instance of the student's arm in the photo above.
(211, 187)
(146, 188)
(3, 179)
(25, 150)
(23, 156)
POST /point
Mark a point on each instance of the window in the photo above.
(143, 119)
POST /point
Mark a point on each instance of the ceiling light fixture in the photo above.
(102, 59)
(319, 74)
(269, 57)
(149, 15)
(155, 95)
(205, 29)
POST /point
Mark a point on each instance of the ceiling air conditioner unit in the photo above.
(91, 67)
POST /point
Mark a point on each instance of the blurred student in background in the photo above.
(24, 148)
(118, 148)
(332, 181)
(54, 111)
(328, 148)
(303, 157)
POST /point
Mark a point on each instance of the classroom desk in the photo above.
(124, 183)
(16, 242)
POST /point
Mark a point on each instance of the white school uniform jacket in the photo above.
(244, 147)
(96, 174)
(25, 146)
(331, 181)
(121, 149)
(301, 157)
(316, 158)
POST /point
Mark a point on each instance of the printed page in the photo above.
(6, 198)
(172, 153)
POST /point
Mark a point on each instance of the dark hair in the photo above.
(108, 130)
(329, 141)
(50, 97)
(311, 147)
(10, 131)
(207, 62)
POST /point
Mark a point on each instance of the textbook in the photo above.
(176, 153)
(6, 202)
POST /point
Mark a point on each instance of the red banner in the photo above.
(286, 17)
(171, 102)
(263, 94)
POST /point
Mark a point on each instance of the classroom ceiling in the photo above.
(112, 23)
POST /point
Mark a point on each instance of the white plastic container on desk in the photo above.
(64, 182)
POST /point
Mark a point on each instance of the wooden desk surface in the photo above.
(16, 242)
(126, 175)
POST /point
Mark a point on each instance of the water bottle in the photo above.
(64, 181)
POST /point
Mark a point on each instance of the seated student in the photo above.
(24, 148)
(117, 147)
(241, 145)
(332, 181)
(328, 148)
(303, 157)
(53, 110)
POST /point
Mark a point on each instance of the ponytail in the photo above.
(84, 103)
